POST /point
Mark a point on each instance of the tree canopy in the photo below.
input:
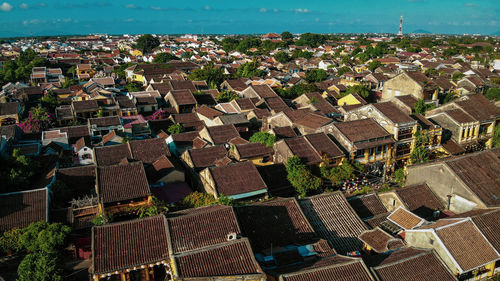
(214, 76)
(226, 96)
(264, 138)
(249, 69)
(164, 58)
(301, 177)
(316, 75)
(175, 129)
(146, 43)
(282, 57)
(286, 35)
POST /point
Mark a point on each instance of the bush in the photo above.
(175, 129)
(493, 94)
(198, 199)
(226, 96)
(40, 266)
(316, 75)
(264, 138)
(301, 178)
(400, 176)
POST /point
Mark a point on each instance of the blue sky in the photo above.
(51, 17)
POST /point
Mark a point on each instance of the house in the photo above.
(130, 250)
(333, 219)
(127, 106)
(9, 113)
(378, 241)
(367, 206)
(85, 109)
(237, 181)
(83, 151)
(20, 209)
(461, 183)
(281, 228)
(351, 99)
(201, 158)
(235, 85)
(413, 264)
(460, 244)
(304, 120)
(182, 100)
(220, 134)
(206, 244)
(256, 152)
(121, 187)
(364, 140)
(84, 71)
(393, 120)
(315, 102)
(312, 149)
(405, 219)
(470, 119)
(100, 126)
(410, 83)
(258, 91)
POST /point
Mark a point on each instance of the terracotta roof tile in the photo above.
(127, 244)
(122, 182)
(420, 200)
(333, 219)
(405, 219)
(380, 241)
(205, 157)
(19, 209)
(367, 206)
(237, 179)
(149, 150)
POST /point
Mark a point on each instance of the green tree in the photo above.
(164, 58)
(44, 237)
(345, 171)
(282, 57)
(343, 70)
(496, 136)
(120, 71)
(301, 178)
(175, 129)
(316, 75)
(208, 73)
(431, 72)
(248, 43)
(400, 176)
(361, 90)
(68, 83)
(311, 39)
(493, 94)
(38, 120)
(198, 199)
(226, 96)
(40, 266)
(249, 69)
(133, 87)
(155, 208)
(51, 101)
(297, 90)
(146, 43)
(374, 65)
(286, 35)
(10, 241)
(421, 107)
(264, 138)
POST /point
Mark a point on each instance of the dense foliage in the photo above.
(226, 96)
(316, 75)
(175, 129)
(20, 69)
(296, 90)
(493, 94)
(146, 43)
(264, 138)
(164, 58)
(301, 177)
(249, 70)
(421, 107)
(214, 76)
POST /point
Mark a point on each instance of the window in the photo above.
(359, 153)
(398, 93)
(431, 241)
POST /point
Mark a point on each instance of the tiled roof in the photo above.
(275, 223)
(284, 132)
(232, 258)
(422, 266)
(105, 121)
(237, 178)
(489, 224)
(324, 145)
(128, 244)
(9, 108)
(19, 209)
(264, 91)
(479, 171)
(183, 97)
(333, 219)
(81, 180)
(360, 130)
(206, 157)
(331, 268)
(303, 149)
(420, 200)
(223, 133)
(391, 111)
(405, 218)
(380, 241)
(113, 154)
(276, 104)
(467, 245)
(367, 206)
(201, 228)
(122, 182)
(149, 150)
(479, 107)
(85, 105)
(253, 150)
(208, 112)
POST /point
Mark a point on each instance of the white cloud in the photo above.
(131, 6)
(275, 10)
(300, 10)
(156, 8)
(207, 8)
(5, 7)
(262, 10)
(129, 20)
(24, 6)
(33, 21)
